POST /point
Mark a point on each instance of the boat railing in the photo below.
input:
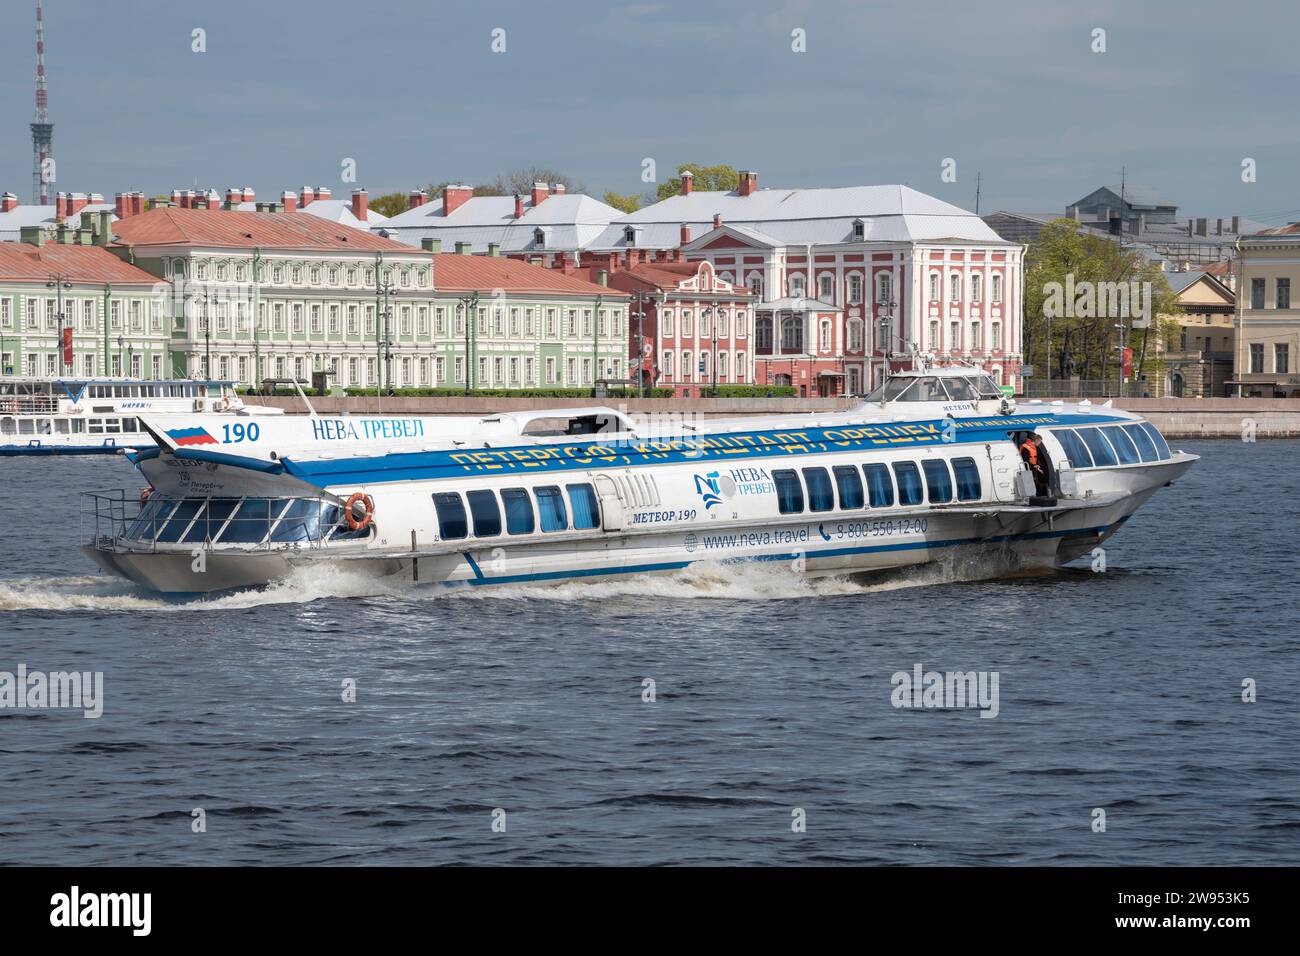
(28, 405)
(113, 521)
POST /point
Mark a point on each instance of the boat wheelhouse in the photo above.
(493, 504)
(84, 416)
(949, 390)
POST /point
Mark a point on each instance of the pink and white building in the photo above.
(847, 281)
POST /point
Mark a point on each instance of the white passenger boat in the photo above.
(90, 416)
(954, 390)
(505, 499)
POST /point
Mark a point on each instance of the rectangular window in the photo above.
(968, 475)
(519, 510)
(1102, 453)
(938, 480)
(880, 486)
(1282, 298)
(789, 491)
(487, 516)
(550, 505)
(1281, 358)
(909, 483)
(820, 495)
(586, 512)
(849, 484)
(1256, 358)
(451, 515)
(1257, 293)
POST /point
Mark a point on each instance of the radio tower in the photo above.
(42, 129)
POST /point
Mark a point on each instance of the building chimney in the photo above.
(122, 205)
(65, 236)
(748, 182)
(519, 206)
(8, 202)
(416, 197)
(1236, 224)
(73, 204)
(249, 195)
(360, 204)
(717, 220)
(289, 201)
(31, 235)
(305, 197)
(232, 198)
(139, 203)
(540, 192)
(323, 192)
(453, 197)
(559, 189)
(462, 248)
(686, 234)
(602, 277)
(429, 244)
(494, 250)
(60, 205)
(103, 227)
(1202, 226)
(688, 182)
(1218, 226)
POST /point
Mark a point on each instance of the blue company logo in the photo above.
(714, 488)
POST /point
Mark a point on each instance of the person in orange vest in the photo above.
(1029, 451)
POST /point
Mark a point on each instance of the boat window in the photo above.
(820, 495)
(849, 483)
(961, 390)
(1102, 453)
(1128, 453)
(1156, 437)
(968, 479)
(153, 513)
(180, 519)
(938, 480)
(890, 390)
(586, 512)
(1145, 446)
(210, 520)
(909, 483)
(789, 492)
(487, 516)
(252, 520)
(880, 486)
(550, 505)
(451, 515)
(987, 387)
(1075, 449)
(519, 511)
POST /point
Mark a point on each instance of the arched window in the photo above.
(763, 334)
(855, 288)
(826, 335)
(884, 287)
(826, 288)
(996, 290)
(934, 287)
(975, 287)
(796, 286)
(791, 333)
(995, 336)
(954, 288)
(934, 336)
(755, 283)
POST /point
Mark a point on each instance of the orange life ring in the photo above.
(355, 523)
(145, 492)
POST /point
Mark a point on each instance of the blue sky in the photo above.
(885, 92)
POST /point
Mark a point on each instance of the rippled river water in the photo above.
(1119, 690)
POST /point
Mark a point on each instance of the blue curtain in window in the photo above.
(789, 491)
(487, 516)
(879, 485)
(519, 511)
(909, 483)
(452, 522)
(968, 479)
(937, 480)
(820, 495)
(550, 506)
(849, 483)
(586, 513)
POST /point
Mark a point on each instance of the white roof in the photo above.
(12, 222)
(571, 222)
(797, 216)
(340, 211)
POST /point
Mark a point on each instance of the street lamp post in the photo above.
(58, 283)
(886, 326)
(467, 304)
(386, 289)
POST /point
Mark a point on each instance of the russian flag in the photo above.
(191, 436)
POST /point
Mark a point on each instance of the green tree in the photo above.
(1085, 268)
(708, 178)
(389, 204)
(626, 203)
